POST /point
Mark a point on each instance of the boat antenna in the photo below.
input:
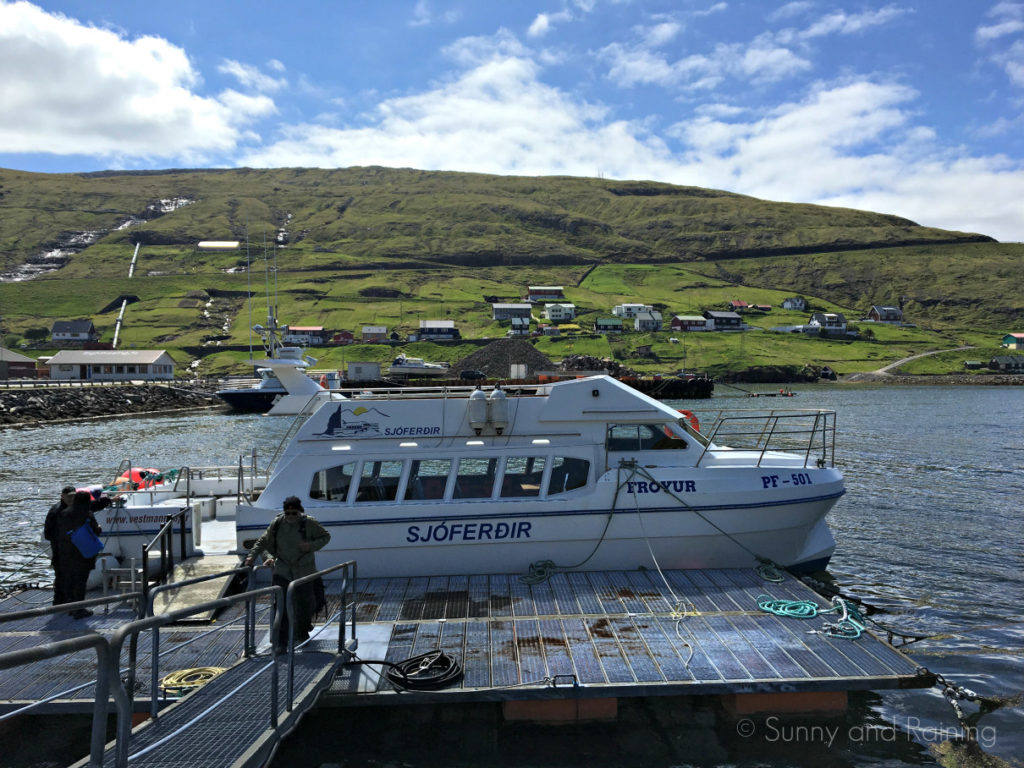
(248, 274)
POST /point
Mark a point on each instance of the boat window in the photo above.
(475, 479)
(567, 474)
(522, 476)
(427, 479)
(379, 480)
(641, 437)
(332, 484)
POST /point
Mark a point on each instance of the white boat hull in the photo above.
(507, 536)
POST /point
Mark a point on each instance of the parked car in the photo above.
(471, 375)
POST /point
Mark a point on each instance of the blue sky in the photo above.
(912, 107)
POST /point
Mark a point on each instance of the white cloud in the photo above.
(423, 16)
(716, 8)
(473, 51)
(760, 61)
(251, 77)
(495, 118)
(71, 88)
(661, 33)
(1009, 21)
(843, 23)
(789, 10)
(1002, 29)
(545, 21)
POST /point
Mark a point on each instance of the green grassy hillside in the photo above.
(374, 246)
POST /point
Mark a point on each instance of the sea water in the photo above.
(930, 531)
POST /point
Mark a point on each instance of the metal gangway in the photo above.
(235, 719)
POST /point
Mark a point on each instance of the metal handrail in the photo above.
(163, 536)
(106, 666)
(767, 432)
(123, 699)
(344, 647)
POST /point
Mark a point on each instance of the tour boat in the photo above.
(585, 474)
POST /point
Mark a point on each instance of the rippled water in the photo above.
(930, 530)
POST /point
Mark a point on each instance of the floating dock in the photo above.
(564, 647)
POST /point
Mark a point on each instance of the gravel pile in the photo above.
(497, 358)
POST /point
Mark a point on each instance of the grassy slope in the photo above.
(392, 247)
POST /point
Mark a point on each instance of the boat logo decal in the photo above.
(361, 421)
(439, 532)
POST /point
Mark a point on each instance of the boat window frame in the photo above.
(544, 474)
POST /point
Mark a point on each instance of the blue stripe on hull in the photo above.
(502, 515)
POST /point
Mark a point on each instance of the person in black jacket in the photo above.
(71, 569)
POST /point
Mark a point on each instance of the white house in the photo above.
(647, 321)
(630, 310)
(799, 303)
(832, 323)
(112, 365)
(306, 335)
(73, 330)
(375, 333)
(559, 313)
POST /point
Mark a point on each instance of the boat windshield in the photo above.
(644, 437)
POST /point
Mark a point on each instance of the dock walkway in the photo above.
(573, 636)
(611, 634)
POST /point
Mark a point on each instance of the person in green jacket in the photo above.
(291, 540)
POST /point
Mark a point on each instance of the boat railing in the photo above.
(810, 433)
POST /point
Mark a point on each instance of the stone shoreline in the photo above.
(28, 407)
(948, 379)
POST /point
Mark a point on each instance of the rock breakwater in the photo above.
(45, 404)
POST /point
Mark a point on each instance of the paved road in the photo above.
(891, 367)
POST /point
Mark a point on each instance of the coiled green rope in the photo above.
(849, 626)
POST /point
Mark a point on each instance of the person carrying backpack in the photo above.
(291, 540)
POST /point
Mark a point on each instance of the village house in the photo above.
(690, 323)
(737, 306)
(1013, 341)
(723, 321)
(520, 327)
(16, 366)
(73, 331)
(112, 365)
(1007, 363)
(885, 315)
(305, 335)
(510, 311)
(559, 313)
(374, 333)
(647, 321)
(630, 310)
(608, 325)
(798, 303)
(538, 293)
(832, 323)
(341, 338)
(436, 330)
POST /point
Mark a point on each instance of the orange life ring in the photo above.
(690, 419)
(323, 381)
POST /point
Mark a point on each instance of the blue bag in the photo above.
(86, 541)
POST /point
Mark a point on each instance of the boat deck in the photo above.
(572, 636)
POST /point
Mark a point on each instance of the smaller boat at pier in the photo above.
(415, 367)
